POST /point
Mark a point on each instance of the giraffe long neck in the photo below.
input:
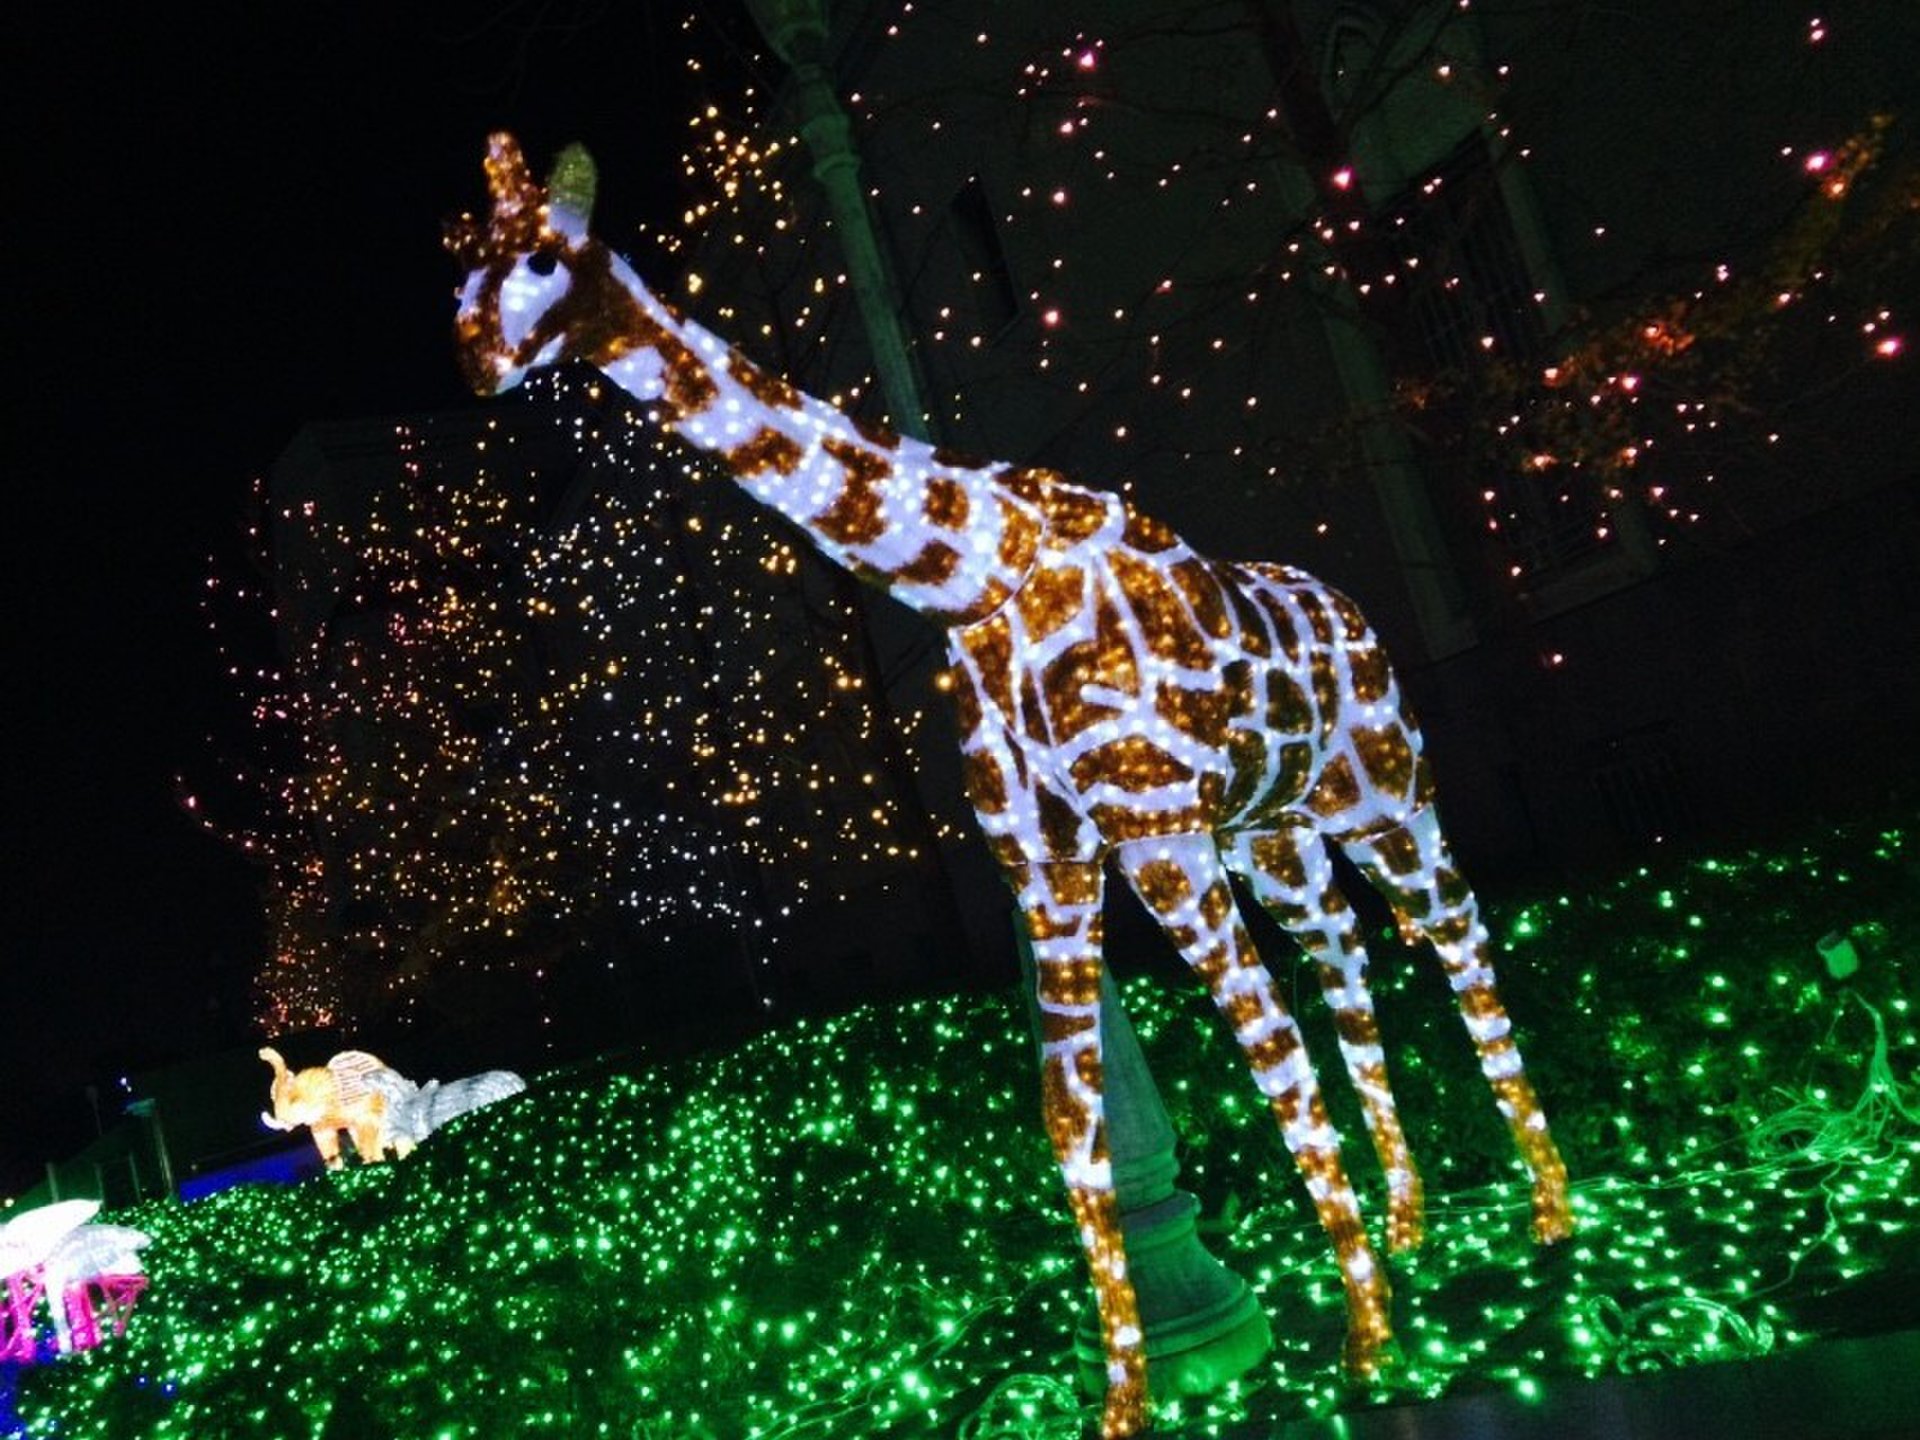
(948, 538)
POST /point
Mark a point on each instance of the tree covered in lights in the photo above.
(545, 711)
(1403, 285)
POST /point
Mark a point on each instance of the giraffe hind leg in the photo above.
(1291, 874)
(1183, 884)
(1412, 867)
(1061, 903)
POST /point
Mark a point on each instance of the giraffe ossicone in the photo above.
(1121, 697)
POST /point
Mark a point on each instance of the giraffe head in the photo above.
(528, 266)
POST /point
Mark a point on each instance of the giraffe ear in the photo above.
(570, 188)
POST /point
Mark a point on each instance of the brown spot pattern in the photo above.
(1213, 793)
(1283, 626)
(875, 434)
(966, 700)
(1398, 852)
(1352, 624)
(1069, 983)
(1336, 791)
(854, 517)
(1247, 757)
(1072, 514)
(1422, 775)
(1146, 534)
(1278, 857)
(1253, 633)
(1045, 924)
(1073, 884)
(1163, 616)
(1386, 757)
(1316, 614)
(1032, 718)
(1118, 667)
(1054, 1028)
(946, 503)
(1067, 1119)
(934, 565)
(1201, 714)
(1028, 484)
(770, 390)
(986, 785)
(990, 644)
(1133, 764)
(1117, 824)
(1368, 667)
(1050, 598)
(1202, 591)
(1288, 712)
(1065, 680)
(767, 450)
(1019, 538)
(1163, 885)
(1326, 692)
(1059, 823)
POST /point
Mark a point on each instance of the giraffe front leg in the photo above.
(1291, 875)
(1414, 870)
(1061, 903)
(1183, 883)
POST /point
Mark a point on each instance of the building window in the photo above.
(1473, 298)
(977, 234)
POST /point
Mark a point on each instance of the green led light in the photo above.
(846, 1229)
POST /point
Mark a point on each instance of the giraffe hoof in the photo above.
(1407, 1220)
(1406, 1232)
(1370, 1347)
(1552, 1220)
(1552, 1211)
(1367, 1357)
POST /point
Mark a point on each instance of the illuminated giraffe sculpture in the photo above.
(1120, 696)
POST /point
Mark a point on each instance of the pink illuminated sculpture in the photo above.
(1121, 697)
(85, 1272)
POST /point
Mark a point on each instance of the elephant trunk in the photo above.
(281, 1078)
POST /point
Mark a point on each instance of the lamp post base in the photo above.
(1203, 1325)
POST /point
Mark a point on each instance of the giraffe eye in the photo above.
(543, 262)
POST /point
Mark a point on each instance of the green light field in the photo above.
(851, 1227)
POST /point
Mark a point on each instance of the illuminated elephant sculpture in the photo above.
(374, 1104)
(344, 1095)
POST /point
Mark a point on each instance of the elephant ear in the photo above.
(570, 188)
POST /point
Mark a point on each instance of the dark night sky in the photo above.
(220, 227)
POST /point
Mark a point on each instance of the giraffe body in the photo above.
(1121, 697)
